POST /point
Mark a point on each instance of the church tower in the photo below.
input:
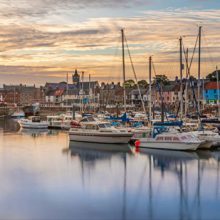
(76, 77)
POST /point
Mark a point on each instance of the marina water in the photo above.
(43, 176)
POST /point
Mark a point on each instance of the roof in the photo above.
(59, 92)
(211, 85)
(63, 85)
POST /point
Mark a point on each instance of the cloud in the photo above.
(39, 8)
(47, 51)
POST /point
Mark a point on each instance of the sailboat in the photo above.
(160, 137)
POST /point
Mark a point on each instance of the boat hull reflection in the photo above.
(100, 147)
(33, 132)
(170, 154)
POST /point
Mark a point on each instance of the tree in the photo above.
(142, 84)
(192, 78)
(129, 83)
(212, 76)
(161, 79)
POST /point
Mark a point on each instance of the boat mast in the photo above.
(82, 90)
(150, 68)
(67, 88)
(123, 66)
(203, 95)
(217, 90)
(187, 75)
(199, 66)
(89, 89)
(181, 79)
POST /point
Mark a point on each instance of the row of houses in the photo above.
(21, 94)
(93, 94)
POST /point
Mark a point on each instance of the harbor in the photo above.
(109, 110)
(45, 175)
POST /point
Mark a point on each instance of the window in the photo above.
(168, 139)
(215, 91)
(160, 138)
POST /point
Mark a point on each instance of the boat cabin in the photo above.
(35, 119)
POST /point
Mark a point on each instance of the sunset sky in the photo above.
(42, 40)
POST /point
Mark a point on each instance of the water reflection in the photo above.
(192, 172)
(34, 132)
(93, 153)
(9, 125)
(52, 178)
(182, 185)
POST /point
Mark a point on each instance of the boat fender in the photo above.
(137, 143)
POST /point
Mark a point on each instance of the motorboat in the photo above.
(212, 139)
(62, 121)
(99, 132)
(33, 122)
(171, 141)
(59, 121)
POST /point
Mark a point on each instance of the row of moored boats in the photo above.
(93, 129)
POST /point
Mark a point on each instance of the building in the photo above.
(111, 94)
(76, 94)
(211, 92)
(137, 97)
(22, 94)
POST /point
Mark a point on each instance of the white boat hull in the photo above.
(35, 125)
(206, 145)
(100, 138)
(169, 146)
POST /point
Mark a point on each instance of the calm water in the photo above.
(42, 177)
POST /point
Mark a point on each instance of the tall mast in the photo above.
(203, 94)
(187, 75)
(123, 66)
(181, 79)
(67, 84)
(150, 68)
(90, 94)
(217, 90)
(82, 90)
(199, 66)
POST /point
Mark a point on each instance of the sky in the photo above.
(43, 40)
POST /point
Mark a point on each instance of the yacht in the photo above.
(95, 131)
(170, 141)
(33, 122)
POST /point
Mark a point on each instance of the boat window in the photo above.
(104, 125)
(175, 138)
(159, 138)
(91, 127)
(84, 120)
(107, 125)
(90, 119)
(183, 137)
(36, 119)
(168, 138)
